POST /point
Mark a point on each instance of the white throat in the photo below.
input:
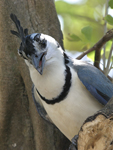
(52, 77)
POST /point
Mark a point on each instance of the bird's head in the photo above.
(35, 48)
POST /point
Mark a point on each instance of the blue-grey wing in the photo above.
(39, 106)
(95, 81)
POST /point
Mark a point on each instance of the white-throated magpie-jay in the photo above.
(70, 90)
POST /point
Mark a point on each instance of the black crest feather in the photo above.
(22, 33)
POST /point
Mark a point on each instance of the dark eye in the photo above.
(37, 37)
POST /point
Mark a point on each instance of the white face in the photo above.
(36, 48)
(41, 48)
(51, 48)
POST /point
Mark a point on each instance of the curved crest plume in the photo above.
(22, 33)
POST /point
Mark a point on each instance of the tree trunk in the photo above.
(21, 128)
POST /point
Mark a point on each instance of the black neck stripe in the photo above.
(66, 86)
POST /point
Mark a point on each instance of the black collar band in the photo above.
(66, 86)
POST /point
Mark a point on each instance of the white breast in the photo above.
(51, 82)
(69, 114)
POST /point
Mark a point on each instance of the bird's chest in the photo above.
(69, 113)
(49, 84)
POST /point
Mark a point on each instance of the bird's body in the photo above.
(69, 114)
(70, 90)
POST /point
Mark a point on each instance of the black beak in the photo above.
(38, 61)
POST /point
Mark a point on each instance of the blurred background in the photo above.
(83, 23)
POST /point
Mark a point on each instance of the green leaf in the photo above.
(109, 19)
(111, 3)
(91, 55)
(74, 38)
(87, 31)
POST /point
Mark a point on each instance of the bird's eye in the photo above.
(37, 37)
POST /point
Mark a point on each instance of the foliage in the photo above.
(109, 19)
(78, 18)
(111, 3)
(87, 31)
(84, 24)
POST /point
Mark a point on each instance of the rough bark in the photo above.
(97, 131)
(20, 125)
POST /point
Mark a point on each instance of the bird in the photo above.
(68, 89)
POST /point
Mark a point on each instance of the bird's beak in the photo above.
(38, 61)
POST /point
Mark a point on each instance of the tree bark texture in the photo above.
(96, 132)
(21, 128)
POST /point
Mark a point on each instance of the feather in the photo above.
(22, 33)
(95, 81)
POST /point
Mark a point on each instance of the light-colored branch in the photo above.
(107, 69)
(105, 30)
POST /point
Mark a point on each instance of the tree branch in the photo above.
(97, 47)
(96, 131)
(97, 58)
(107, 69)
(105, 30)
